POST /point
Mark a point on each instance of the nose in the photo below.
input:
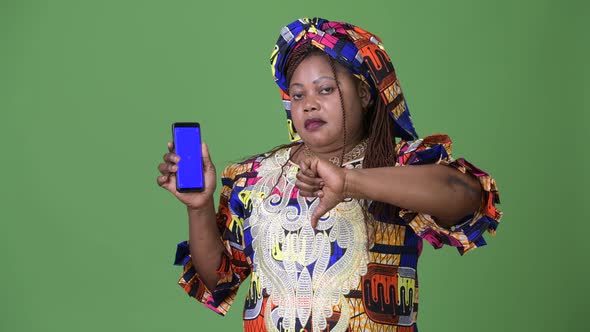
(311, 104)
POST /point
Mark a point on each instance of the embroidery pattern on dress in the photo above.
(293, 261)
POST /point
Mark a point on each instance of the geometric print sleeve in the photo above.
(234, 267)
(468, 233)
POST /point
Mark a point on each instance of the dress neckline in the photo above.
(292, 163)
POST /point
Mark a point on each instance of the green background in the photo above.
(88, 90)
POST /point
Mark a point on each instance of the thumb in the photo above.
(304, 165)
(319, 211)
(206, 157)
(313, 167)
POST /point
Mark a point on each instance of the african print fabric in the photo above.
(344, 275)
(360, 51)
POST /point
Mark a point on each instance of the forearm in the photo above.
(205, 246)
(437, 190)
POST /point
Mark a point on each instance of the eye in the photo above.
(326, 90)
(296, 96)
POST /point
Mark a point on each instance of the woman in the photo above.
(330, 227)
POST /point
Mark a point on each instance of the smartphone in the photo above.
(187, 145)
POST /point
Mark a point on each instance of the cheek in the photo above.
(296, 117)
(355, 121)
(355, 116)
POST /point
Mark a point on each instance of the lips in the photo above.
(313, 124)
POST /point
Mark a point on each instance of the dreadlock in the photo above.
(379, 128)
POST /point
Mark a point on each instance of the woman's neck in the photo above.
(353, 150)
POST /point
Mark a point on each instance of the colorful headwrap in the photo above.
(361, 52)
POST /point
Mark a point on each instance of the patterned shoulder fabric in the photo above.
(468, 234)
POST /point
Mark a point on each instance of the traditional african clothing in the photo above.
(345, 274)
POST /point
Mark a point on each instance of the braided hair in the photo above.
(377, 125)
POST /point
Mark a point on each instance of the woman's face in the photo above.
(316, 108)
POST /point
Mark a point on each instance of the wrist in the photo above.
(350, 178)
(199, 209)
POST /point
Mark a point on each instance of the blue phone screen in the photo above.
(187, 143)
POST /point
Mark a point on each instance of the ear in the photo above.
(364, 94)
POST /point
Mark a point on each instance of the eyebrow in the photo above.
(322, 78)
(316, 80)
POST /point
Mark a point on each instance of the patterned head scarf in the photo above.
(360, 51)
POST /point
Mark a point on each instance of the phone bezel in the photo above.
(188, 125)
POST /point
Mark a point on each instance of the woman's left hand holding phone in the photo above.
(205, 247)
(193, 200)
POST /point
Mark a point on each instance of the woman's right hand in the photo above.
(193, 200)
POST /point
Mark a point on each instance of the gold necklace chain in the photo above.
(357, 152)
